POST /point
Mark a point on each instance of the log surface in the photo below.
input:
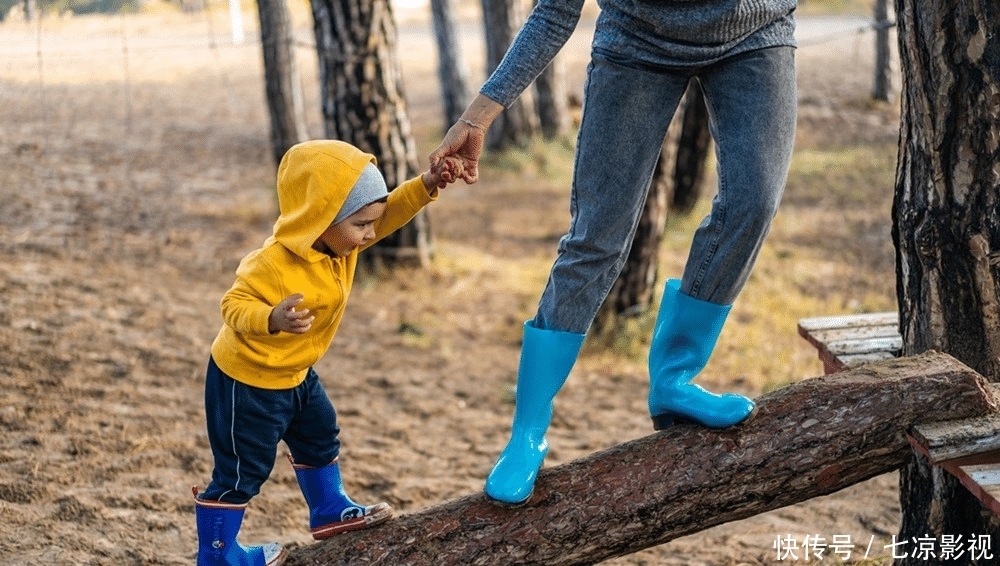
(808, 439)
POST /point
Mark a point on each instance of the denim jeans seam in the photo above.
(719, 214)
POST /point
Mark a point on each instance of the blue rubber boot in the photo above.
(547, 356)
(218, 525)
(685, 335)
(331, 511)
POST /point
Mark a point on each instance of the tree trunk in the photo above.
(281, 78)
(809, 439)
(692, 150)
(30, 10)
(363, 104)
(518, 123)
(882, 85)
(946, 222)
(452, 71)
(553, 101)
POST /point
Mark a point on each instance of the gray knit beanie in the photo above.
(369, 188)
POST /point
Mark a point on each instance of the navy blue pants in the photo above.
(246, 423)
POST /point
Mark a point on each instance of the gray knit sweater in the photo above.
(661, 33)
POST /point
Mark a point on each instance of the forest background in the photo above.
(135, 173)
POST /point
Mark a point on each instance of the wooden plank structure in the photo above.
(848, 341)
(968, 449)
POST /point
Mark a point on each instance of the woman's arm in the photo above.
(547, 29)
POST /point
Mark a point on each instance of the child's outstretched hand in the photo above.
(448, 170)
(284, 317)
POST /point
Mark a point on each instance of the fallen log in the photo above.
(808, 439)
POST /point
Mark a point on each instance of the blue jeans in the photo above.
(628, 106)
(246, 423)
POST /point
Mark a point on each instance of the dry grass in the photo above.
(135, 174)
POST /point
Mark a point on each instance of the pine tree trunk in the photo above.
(452, 71)
(518, 123)
(281, 78)
(363, 103)
(553, 101)
(692, 150)
(946, 223)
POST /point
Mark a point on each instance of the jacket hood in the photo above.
(314, 179)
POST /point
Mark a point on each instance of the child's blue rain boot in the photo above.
(218, 525)
(331, 511)
(547, 356)
(683, 339)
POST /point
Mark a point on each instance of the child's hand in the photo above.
(284, 317)
(448, 170)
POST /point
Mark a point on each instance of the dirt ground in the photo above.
(135, 173)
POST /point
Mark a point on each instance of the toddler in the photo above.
(280, 317)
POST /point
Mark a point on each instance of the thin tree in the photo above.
(452, 70)
(882, 85)
(514, 127)
(553, 101)
(30, 10)
(946, 227)
(363, 103)
(281, 77)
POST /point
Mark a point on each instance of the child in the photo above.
(280, 317)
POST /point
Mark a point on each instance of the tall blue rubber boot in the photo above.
(547, 356)
(331, 511)
(218, 525)
(683, 339)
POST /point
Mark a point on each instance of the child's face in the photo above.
(353, 232)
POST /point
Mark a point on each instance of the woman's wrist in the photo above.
(481, 112)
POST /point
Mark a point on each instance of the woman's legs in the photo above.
(752, 107)
(626, 114)
(752, 103)
(627, 109)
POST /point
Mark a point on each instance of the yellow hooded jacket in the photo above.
(314, 179)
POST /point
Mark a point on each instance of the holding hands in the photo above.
(446, 171)
(464, 140)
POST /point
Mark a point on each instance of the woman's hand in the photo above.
(465, 138)
(465, 142)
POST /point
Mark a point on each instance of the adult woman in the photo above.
(644, 53)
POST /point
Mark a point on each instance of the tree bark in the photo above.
(363, 103)
(515, 126)
(946, 222)
(452, 71)
(283, 86)
(808, 439)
